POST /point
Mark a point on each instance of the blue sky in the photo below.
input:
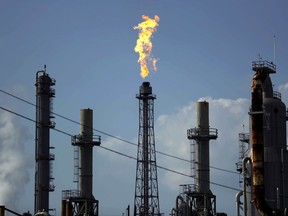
(205, 50)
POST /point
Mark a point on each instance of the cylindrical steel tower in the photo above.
(86, 153)
(146, 188)
(202, 148)
(269, 153)
(43, 178)
(202, 197)
(82, 201)
(202, 134)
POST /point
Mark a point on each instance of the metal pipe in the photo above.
(283, 179)
(173, 212)
(257, 143)
(237, 198)
(277, 198)
(177, 204)
(244, 162)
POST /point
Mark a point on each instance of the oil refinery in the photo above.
(262, 165)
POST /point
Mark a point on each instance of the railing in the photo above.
(264, 65)
(52, 124)
(244, 137)
(277, 95)
(52, 92)
(53, 81)
(196, 133)
(188, 188)
(82, 139)
(70, 193)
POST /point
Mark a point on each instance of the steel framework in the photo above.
(146, 188)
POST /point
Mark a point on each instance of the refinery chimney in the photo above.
(202, 134)
(86, 153)
(81, 201)
(197, 198)
(204, 202)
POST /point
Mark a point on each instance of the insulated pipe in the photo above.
(237, 198)
(244, 162)
(257, 143)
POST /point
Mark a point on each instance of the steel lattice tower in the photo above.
(146, 188)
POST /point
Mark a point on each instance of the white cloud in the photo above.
(283, 89)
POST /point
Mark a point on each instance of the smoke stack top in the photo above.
(145, 88)
(144, 44)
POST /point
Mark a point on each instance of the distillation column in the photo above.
(268, 146)
(43, 170)
(146, 188)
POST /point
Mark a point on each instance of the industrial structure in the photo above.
(146, 187)
(265, 164)
(81, 201)
(197, 199)
(43, 157)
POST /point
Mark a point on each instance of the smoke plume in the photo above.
(14, 166)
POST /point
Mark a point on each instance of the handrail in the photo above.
(196, 133)
(256, 65)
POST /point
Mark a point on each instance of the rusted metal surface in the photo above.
(257, 142)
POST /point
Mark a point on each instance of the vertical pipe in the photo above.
(145, 156)
(244, 170)
(283, 178)
(238, 201)
(277, 198)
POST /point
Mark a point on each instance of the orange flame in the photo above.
(144, 44)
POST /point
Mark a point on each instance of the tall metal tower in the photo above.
(146, 188)
(43, 158)
(202, 199)
(264, 169)
(81, 201)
